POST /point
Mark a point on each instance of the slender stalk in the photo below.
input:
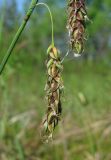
(52, 23)
(18, 34)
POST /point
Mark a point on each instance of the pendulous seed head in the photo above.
(77, 16)
(54, 88)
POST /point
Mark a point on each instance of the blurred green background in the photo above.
(85, 130)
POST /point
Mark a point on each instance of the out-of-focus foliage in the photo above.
(99, 29)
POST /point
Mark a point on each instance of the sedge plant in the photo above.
(54, 85)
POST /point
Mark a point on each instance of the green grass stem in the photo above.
(18, 34)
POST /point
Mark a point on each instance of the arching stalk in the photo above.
(52, 24)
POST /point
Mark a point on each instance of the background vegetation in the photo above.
(85, 131)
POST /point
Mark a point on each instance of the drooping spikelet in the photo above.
(54, 88)
(77, 16)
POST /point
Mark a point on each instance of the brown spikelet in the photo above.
(77, 16)
(54, 87)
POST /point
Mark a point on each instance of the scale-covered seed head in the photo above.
(54, 88)
(77, 17)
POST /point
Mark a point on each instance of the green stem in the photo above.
(18, 34)
(52, 23)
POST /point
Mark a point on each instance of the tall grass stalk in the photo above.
(18, 34)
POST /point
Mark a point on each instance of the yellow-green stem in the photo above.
(52, 24)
